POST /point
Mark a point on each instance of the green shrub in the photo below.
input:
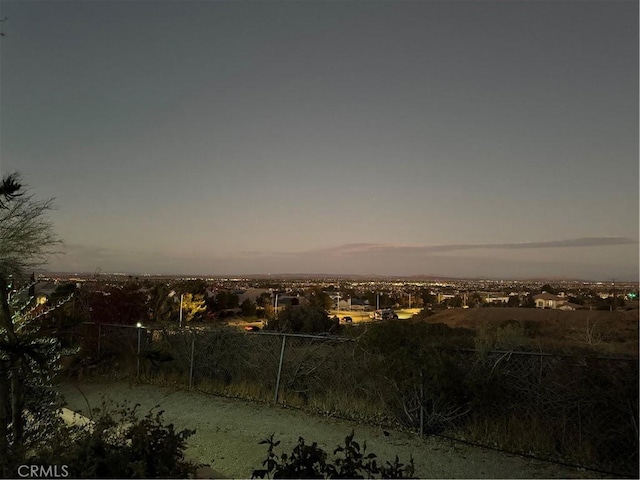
(310, 461)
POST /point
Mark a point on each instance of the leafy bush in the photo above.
(303, 319)
(120, 444)
(310, 461)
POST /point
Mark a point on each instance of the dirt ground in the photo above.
(228, 432)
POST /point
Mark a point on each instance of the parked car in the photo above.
(386, 314)
(389, 315)
(348, 319)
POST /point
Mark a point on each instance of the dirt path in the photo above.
(228, 432)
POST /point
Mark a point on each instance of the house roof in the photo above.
(251, 294)
(574, 306)
(547, 296)
(45, 288)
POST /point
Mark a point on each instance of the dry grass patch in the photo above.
(612, 333)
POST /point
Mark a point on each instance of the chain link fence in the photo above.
(581, 410)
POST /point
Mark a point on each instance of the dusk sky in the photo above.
(470, 139)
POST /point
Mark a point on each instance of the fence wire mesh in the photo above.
(581, 410)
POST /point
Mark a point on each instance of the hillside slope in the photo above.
(603, 331)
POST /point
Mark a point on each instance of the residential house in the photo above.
(556, 302)
(41, 291)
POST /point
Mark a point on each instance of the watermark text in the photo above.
(43, 471)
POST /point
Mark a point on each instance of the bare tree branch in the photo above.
(26, 236)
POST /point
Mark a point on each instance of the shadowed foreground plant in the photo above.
(27, 354)
(118, 443)
(310, 461)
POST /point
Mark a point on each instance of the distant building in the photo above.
(445, 296)
(292, 300)
(252, 294)
(556, 302)
(359, 304)
(41, 291)
(495, 297)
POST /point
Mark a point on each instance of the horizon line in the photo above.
(348, 276)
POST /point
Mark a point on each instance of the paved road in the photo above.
(228, 432)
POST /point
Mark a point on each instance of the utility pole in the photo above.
(613, 291)
(275, 309)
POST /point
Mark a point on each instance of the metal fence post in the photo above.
(138, 365)
(421, 404)
(99, 338)
(284, 341)
(193, 348)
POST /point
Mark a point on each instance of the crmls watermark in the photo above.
(43, 471)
